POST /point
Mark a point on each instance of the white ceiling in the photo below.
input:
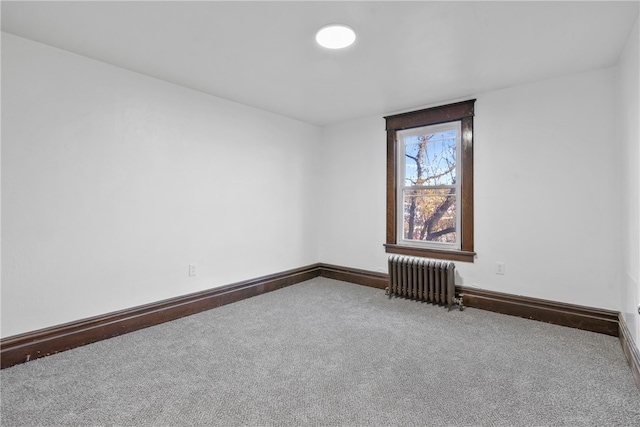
(263, 54)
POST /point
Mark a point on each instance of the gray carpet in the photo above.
(325, 352)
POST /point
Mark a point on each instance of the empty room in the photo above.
(334, 213)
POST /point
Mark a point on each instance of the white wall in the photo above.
(353, 189)
(546, 192)
(113, 182)
(629, 87)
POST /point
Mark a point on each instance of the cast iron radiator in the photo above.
(423, 279)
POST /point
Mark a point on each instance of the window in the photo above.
(427, 186)
(430, 182)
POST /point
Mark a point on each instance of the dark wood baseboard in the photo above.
(354, 275)
(587, 318)
(574, 316)
(630, 348)
(571, 315)
(32, 345)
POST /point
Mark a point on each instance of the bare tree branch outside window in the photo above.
(430, 199)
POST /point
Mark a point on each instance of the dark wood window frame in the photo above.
(460, 111)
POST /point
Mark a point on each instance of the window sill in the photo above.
(430, 253)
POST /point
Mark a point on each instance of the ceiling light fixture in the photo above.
(335, 36)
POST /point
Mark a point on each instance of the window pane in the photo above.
(430, 159)
(430, 215)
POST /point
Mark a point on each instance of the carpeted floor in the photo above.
(325, 352)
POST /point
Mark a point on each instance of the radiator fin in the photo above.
(422, 279)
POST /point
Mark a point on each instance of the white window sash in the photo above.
(401, 136)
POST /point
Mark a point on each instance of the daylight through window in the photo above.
(430, 182)
(427, 175)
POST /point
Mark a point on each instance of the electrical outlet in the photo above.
(499, 267)
(193, 270)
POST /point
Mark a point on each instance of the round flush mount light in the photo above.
(335, 36)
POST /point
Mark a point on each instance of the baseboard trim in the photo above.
(630, 348)
(32, 345)
(571, 315)
(354, 275)
(574, 316)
